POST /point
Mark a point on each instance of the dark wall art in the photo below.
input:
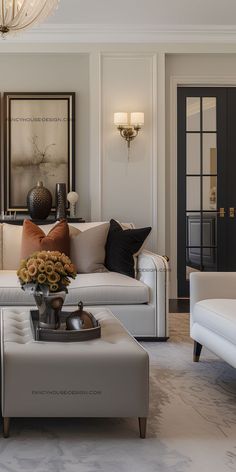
(39, 144)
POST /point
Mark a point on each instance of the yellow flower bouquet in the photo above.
(48, 271)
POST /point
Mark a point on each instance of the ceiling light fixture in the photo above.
(18, 15)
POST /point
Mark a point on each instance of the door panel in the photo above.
(202, 174)
(230, 237)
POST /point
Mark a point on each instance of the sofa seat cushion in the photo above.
(217, 315)
(93, 289)
(107, 288)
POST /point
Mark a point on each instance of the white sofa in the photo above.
(141, 304)
(213, 314)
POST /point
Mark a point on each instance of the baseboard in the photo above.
(152, 339)
(179, 305)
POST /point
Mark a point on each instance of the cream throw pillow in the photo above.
(87, 248)
(11, 244)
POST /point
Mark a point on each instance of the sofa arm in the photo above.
(207, 285)
(152, 270)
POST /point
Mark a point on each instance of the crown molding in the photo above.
(105, 33)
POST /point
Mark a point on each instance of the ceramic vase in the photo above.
(61, 199)
(39, 202)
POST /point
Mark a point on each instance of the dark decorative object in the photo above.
(49, 307)
(38, 148)
(63, 334)
(39, 202)
(80, 319)
(48, 221)
(61, 201)
(121, 246)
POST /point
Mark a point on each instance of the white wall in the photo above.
(110, 78)
(127, 85)
(105, 178)
(56, 73)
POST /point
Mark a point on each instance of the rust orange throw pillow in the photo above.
(34, 239)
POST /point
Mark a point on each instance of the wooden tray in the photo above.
(62, 334)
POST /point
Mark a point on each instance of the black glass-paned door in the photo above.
(206, 181)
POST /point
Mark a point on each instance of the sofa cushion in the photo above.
(217, 315)
(93, 289)
(121, 247)
(11, 244)
(87, 248)
(34, 239)
(11, 241)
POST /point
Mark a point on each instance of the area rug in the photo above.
(192, 425)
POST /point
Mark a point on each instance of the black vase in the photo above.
(39, 202)
(61, 201)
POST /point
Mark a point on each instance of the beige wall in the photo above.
(109, 78)
(127, 180)
(187, 69)
(120, 81)
(56, 73)
(200, 64)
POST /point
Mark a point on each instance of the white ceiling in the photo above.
(146, 12)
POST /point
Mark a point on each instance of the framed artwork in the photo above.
(39, 144)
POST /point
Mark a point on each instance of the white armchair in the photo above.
(213, 314)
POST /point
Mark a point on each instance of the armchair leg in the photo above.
(6, 427)
(142, 427)
(196, 351)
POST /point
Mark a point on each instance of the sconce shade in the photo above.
(137, 118)
(121, 118)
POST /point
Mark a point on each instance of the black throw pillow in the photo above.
(121, 246)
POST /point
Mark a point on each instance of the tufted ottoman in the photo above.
(106, 377)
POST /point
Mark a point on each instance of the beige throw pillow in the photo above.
(87, 248)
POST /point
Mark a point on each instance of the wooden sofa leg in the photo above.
(142, 427)
(196, 351)
(6, 427)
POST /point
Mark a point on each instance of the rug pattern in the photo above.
(192, 424)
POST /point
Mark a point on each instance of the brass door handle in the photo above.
(231, 212)
(221, 212)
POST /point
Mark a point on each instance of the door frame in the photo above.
(175, 82)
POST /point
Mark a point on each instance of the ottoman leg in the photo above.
(6, 427)
(142, 427)
(196, 351)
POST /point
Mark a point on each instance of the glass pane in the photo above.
(193, 227)
(209, 259)
(193, 113)
(193, 193)
(193, 257)
(209, 229)
(209, 193)
(209, 153)
(201, 230)
(193, 153)
(209, 113)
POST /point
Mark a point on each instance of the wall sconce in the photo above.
(129, 129)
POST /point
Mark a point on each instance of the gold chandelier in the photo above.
(18, 15)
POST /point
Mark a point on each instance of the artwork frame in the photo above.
(39, 144)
